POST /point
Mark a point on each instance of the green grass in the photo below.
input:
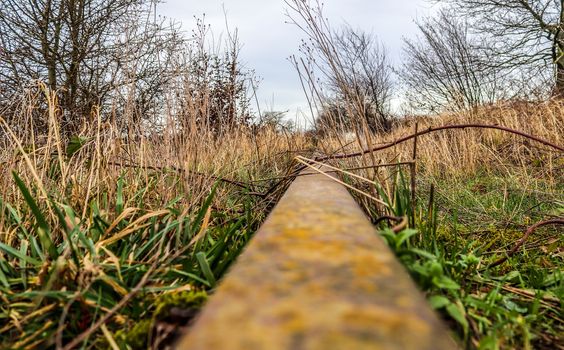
(58, 270)
(471, 222)
(129, 257)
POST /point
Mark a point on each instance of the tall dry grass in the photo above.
(150, 181)
(449, 159)
(456, 152)
(466, 197)
(88, 221)
(176, 163)
(460, 152)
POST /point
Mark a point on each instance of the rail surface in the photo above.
(317, 276)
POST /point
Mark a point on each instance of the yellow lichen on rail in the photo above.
(317, 276)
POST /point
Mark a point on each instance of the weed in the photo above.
(100, 226)
(458, 235)
(94, 262)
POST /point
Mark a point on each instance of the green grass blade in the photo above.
(192, 276)
(119, 196)
(23, 252)
(3, 277)
(203, 210)
(17, 254)
(75, 144)
(205, 267)
(67, 230)
(43, 228)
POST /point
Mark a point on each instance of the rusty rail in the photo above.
(317, 276)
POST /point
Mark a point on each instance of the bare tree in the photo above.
(87, 51)
(345, 71)
(213, 84)
(367, 74)
(276, 121)
(443, 68)
(523, 33)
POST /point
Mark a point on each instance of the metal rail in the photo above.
(317, 276)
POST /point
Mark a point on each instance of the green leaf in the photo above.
(553, 278)
(423, 253)
(382, 193)
(438, 301)
(23, 252)
(204, 209)
(489, 342)
(75, 144)
(513, 276)
(119, 199)
(403, 236)
(457, 312)
(3, 278)
(389, 235)
(445, 283)
(15, 216)
(435, 268)
(512, 306)
(66, 229)
(192, 276)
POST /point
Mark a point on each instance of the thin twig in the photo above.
(530, 230)
(335, 169)
(192, 172)
(387, 217)
(343, 183)
(445, 127)
(346, 169)
(402, 225)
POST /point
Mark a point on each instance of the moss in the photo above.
(182, 300)
(136, 338)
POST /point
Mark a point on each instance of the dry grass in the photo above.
(102, 217)
(448, 153)
(488, 187)
(187, 163)
(153, 184)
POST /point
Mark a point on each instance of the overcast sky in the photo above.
(268, 40)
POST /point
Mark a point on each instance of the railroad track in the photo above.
(317, 276)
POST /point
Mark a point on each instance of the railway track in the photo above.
(317, 276)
